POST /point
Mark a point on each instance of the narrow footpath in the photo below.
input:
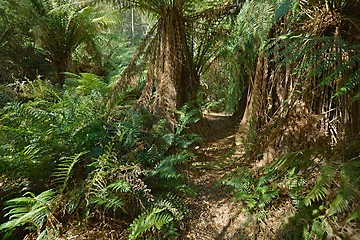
(212, 213)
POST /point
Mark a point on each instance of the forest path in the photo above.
(212, 213)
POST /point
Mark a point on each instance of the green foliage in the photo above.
(59, 135)
(257, 194)
(320, 189)
(248, 39)
(112, 183)
(186, 116)
(147, 220)
(34, 212)
(327, 59)
(85, 83)
(53, 37)
(164, 213)
(51, 125)
(166, 167)
(322, 205)
(64, 170)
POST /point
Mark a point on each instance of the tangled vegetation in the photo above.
(102, 105)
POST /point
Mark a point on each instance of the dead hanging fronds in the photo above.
(164, 48)
(173, 59)
(334, 18)
(303, 88)
(166, 65)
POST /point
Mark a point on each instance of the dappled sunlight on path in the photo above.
(213, 215)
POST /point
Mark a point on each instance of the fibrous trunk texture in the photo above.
(171, 78)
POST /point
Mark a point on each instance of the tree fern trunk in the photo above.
(171, 68)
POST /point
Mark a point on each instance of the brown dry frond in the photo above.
(174, 60)
(335, 18)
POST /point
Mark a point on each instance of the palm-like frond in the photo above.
(59, 28)
(177, 51)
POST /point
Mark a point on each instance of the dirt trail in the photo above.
(213, 215)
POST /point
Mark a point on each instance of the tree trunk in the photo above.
(171, 72)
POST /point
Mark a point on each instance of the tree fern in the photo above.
(323, 57)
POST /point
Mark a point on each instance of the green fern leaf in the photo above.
(354, 215)
(172, 204)
(338, 205)
(154, 218)
(120, 185)
(166, 167)
(64, 169)
(320, 189)
(32, 210)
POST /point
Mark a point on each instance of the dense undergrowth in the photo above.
(302, 148)
(67, 161)
(316, 192)
(93, 154)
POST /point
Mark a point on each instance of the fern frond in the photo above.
(346, 195)
(320, 189)
(147, 220)
(282, 8)
(338, 205)
(107, 200)
(240, 180)
(63, 172)
(33, 210)
(354, 215)
(101, 196)
(166, 167)
(120, 186)
(185, 116)
(172, 204)
(351, 81)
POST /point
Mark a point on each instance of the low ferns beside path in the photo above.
(84, 165)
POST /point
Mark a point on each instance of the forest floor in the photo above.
(212, 213)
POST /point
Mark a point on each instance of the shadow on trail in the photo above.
(213, 216)
(217, 126)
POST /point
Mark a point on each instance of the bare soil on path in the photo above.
(212, 213)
